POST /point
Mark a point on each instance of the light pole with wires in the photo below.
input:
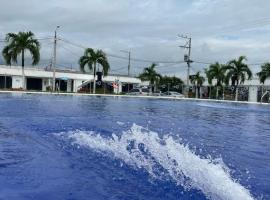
(54, 56)
(187, 57)
(129, 53)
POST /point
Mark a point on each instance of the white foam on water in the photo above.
(142, 148)
(120, 123)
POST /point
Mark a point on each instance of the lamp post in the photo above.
(54, 56)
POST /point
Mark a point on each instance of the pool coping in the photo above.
(132, 96)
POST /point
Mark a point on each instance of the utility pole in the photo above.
(54, 56)
(129, 54)
(187, 57)
(129, 63)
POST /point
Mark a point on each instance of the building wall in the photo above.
(118, 89)
(253, 94)
(46, 82)
(69, 86)
(17, 82)
(16, 71)
(76, 84)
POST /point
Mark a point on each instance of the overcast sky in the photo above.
(220, 29)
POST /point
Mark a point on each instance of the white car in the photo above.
(139, 91)
(173, 94)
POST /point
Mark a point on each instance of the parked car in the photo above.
(173, 94)
(156, 93)
(139, 91)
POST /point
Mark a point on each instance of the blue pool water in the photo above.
(79, 147)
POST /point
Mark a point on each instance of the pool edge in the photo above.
(130, 96)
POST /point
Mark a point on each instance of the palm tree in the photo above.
(264, 73)
(216, 71)
(209, 79)
(150, 74)
(17, 44)
(198, 81)
(237, 72)
(91, 58)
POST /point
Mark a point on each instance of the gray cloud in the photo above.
(221, 29)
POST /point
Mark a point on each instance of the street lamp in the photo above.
(54, 56)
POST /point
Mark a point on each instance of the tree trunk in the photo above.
(197, 88)
(90, 87)
(223, 93)
(236, 93)
(217, 93)
(23, 76)
(236, 90)
(94, 88)
(152, 83)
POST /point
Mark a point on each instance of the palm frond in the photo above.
(91, 58)
(18, 43)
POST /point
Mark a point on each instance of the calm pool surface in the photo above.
(79, 147)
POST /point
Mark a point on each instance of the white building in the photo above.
(68, 80)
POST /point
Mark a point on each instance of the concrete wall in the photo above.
(46, 82)
(17, 82)
(118, 89)
(253, 94)
(69, 86)
(76, 84)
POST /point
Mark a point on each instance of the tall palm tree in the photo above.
(209, 79)
(90, 59)
(17, 45)
(150, 74)
(237, 72)
(218, 72)
(198, 81)
(264, 73)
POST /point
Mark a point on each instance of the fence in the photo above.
(229, 93)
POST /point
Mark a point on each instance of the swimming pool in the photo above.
(81, 147)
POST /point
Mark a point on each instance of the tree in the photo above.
(150, 74)
(172, 82)
(17, 44)
(218, 72)
(90, 59)
(237, 72)
(264, 73)
(197, 80)
(209, 79)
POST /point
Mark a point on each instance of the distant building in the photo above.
(66, 80)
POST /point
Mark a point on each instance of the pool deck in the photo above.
(130, 96)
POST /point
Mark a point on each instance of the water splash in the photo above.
(166, 157)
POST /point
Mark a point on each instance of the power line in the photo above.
(71, 52)
(200, 62)
(122, 57)
(238, 27)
